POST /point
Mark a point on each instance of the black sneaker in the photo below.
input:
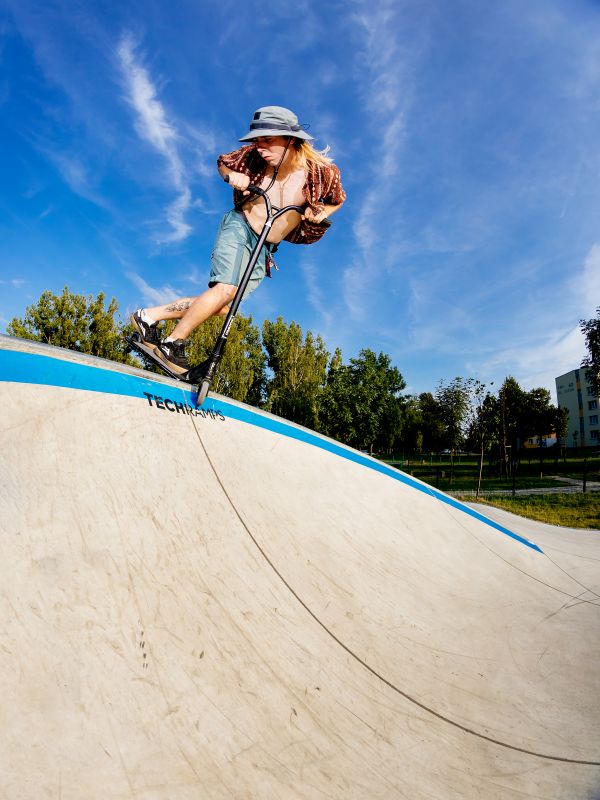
(173, 354)
(148, 333)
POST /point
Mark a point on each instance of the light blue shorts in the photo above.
(231, 253)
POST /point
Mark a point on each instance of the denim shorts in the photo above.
(231, 253)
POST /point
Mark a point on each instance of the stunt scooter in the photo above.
(203, 373)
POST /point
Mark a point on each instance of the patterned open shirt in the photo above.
(323, 187)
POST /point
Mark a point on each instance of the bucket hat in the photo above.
(275, 121)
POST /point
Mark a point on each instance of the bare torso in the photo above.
(286, 191)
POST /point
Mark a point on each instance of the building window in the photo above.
(594, 436)
(594, 419)
(592, 404)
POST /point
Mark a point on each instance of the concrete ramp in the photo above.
(220, 604)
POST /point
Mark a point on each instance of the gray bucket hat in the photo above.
(275, 121)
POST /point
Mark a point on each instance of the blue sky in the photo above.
(467, 134)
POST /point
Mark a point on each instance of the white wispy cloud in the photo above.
(16, 283)
(537, 363)
(176, 212)
(196, 277)
(545, 349)
(535, 346)
(383, 69)
(588, 283)
(76, 174)
(356, 284)
(153, 126)
(151, 295)
(431, 277)
(46, 212)
(303, 32)
(315, 295)
(203, 143)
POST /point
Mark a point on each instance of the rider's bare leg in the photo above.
(174, 310)
(193, 311)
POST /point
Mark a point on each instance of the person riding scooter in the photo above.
(281, 161)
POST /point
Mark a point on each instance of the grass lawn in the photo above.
(569, 510)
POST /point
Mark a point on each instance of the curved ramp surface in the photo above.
(220, 604)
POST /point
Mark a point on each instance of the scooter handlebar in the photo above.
(249, 188)
(261, 192)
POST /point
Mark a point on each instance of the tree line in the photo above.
(291, 373)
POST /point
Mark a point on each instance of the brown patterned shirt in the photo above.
(323, 187)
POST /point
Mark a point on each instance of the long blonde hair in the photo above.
(305, 154)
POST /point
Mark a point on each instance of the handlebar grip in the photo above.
(250, 188)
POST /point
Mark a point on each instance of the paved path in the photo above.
(574, 487)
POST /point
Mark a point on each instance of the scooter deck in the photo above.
(150, 354)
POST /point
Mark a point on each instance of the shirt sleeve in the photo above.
(324, 186)
(333, 191)
(241, 160)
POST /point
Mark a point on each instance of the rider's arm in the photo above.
(237, 180)
(329, 210)
(314, 215)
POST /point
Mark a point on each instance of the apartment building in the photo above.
(574, 392)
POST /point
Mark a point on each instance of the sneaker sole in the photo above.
(170, 364)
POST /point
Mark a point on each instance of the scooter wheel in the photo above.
(202, 393)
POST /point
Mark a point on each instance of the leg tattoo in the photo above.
(179, 305)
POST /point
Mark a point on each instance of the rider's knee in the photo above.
(226, 291)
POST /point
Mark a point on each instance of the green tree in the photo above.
(454, 401)
(591, 330)
(392, 415)
(512, 404)
(362, 405)
(74, 321)
(483, 428)
(412, 436)
(538, 416)
(561, 426)
(299, 371)
(484, 418)
(431, 424)
(524, 415)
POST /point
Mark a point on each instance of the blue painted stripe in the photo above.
(19, 367)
